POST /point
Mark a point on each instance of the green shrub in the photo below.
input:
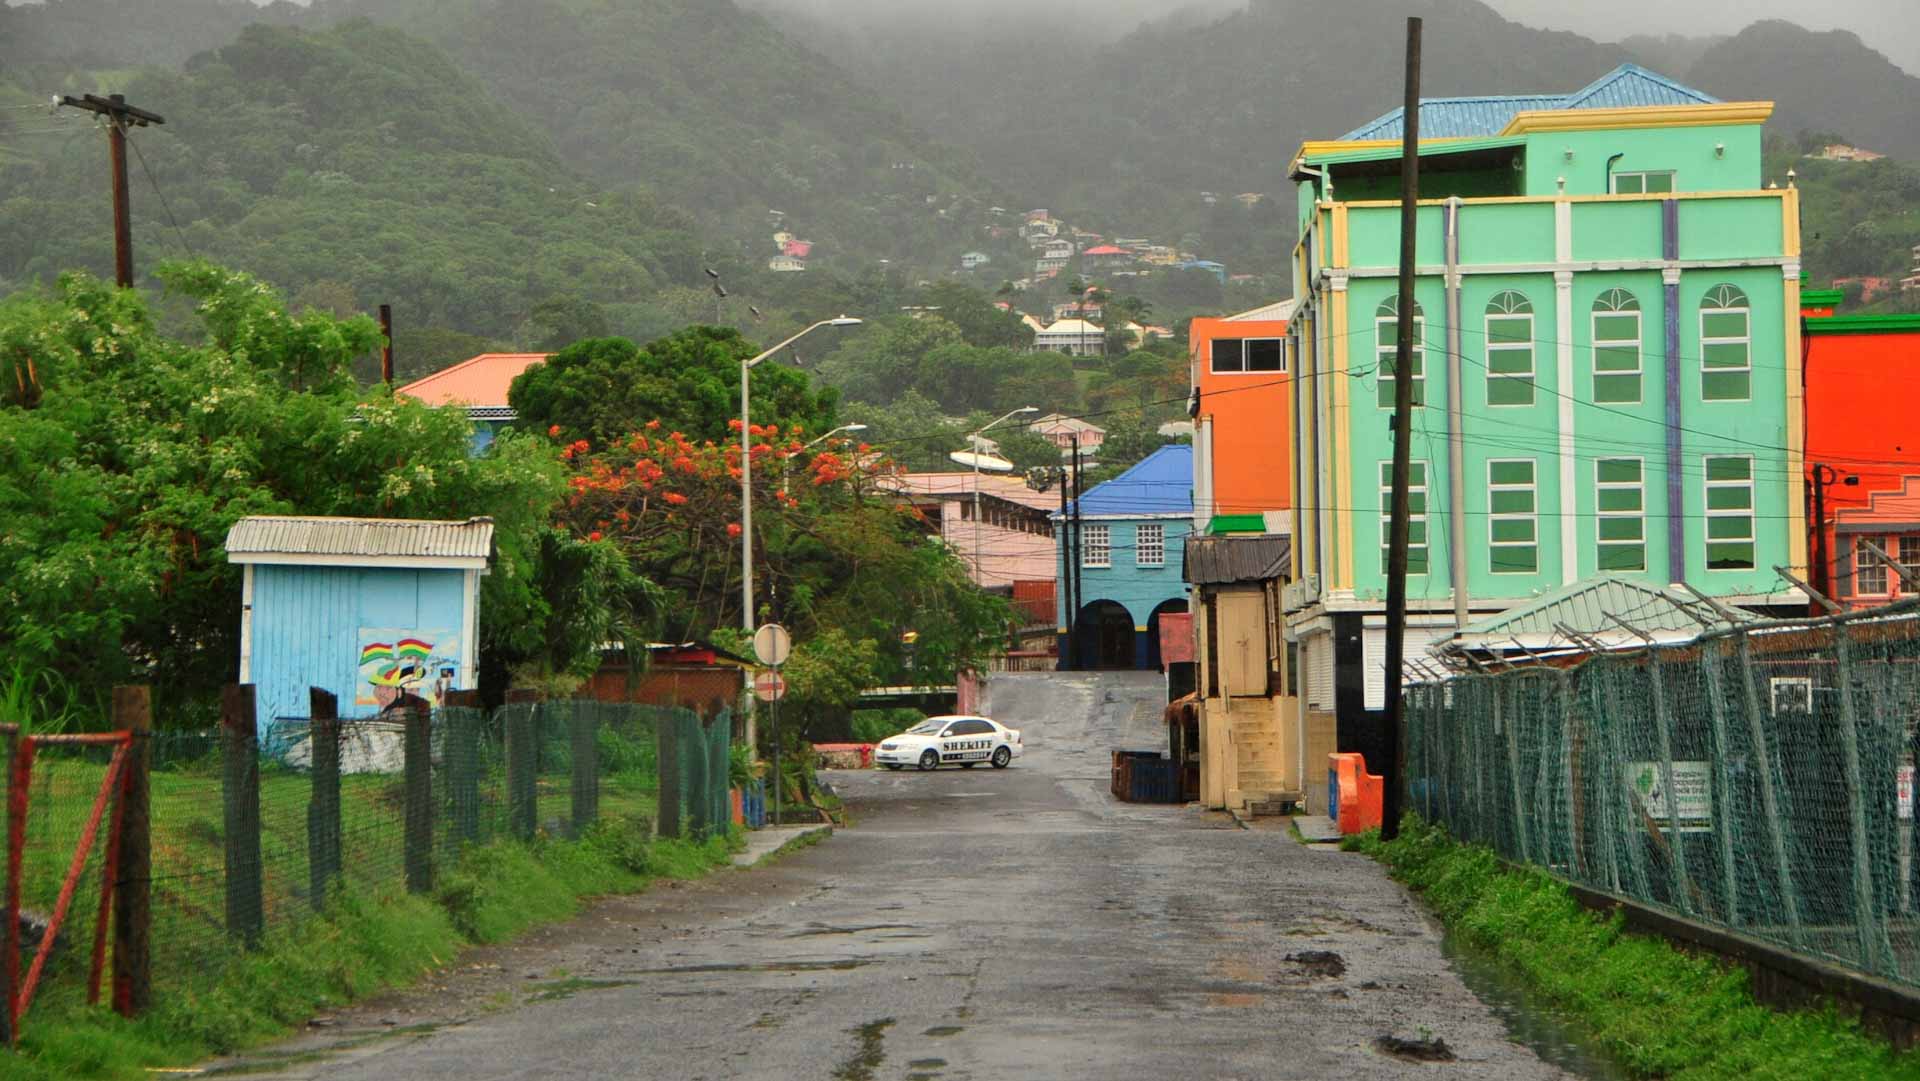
(874, 725)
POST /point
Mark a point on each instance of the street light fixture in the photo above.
(812, 443)
(974, 441)
(746, 464)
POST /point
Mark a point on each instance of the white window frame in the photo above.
(1673, 181)
(1750, 512)
(1528, 378)
(1864, 564)
(1899, 554)
(1417, 475)
(1720, 293)
(1150, 553)
(1386, 349)
(1602, 515)
(1096, 546)
(1638, 371)
(1213, 367)
(1532, 488)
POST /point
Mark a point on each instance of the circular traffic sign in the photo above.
(772, 644)
(769, 686)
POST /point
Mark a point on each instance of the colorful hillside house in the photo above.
(1132, 532)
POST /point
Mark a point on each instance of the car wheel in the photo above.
(891, 765)
(929, 758)
(1001, 757)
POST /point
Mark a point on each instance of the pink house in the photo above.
(1014, 539)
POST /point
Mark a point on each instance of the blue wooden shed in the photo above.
(367, 608)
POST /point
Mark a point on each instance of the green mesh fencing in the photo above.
(1760, 780)
(250, 834)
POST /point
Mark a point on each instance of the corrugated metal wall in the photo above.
(307, 621)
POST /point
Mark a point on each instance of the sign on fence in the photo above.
(1692, 794)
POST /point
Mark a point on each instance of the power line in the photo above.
(171, 220)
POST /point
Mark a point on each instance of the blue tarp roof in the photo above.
(1162, 483)
(1627, 86)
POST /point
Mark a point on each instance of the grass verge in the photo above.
(1659, 1011)
(364, 942)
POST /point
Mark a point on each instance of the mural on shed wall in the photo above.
(395, 661)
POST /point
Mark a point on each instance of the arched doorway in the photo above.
(1151, 647)
(1105, 635)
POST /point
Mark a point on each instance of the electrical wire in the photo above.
(171, 220)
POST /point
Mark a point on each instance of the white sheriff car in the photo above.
(951, 741)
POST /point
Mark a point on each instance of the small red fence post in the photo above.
(133, 866)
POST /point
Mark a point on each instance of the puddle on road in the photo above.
(1529, 1021)
(758, 966)
(945, 1030)
(869, 1054)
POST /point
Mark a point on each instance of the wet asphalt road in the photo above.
(972, 924)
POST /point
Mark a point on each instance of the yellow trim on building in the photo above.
(1313, 147)
(1338, 227)
(1643, 116)
(1342, 444)
(1777, 193)
(1796, 394)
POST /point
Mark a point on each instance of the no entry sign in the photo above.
(769, 687)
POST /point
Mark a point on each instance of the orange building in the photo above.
(1863, 441)
(1240, 373)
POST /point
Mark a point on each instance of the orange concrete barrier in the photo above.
(739, 806)
(1359, 795)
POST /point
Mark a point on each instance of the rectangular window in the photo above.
(1386, 344)
(1730, 540)
(1620, 502)
(1908, 555)
(1616, 357)
(1096, 546)
(1236, 355)
(1869, 574)
(1150, 545)
(1510, 359)
(1726, 354)
(1649, 182)
(1513, 528)
(1416, 517)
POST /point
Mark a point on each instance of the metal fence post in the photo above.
(1769, 796)
(523, 764)
(240, 791)
(586, 765)
(419, 795)
(666, 731)
(461, 764)
(1875, 951)
(1662, 730)
(719, 765)
(323, 805)
(1722, 781)
(133, 872)
(1506, 715)
(17, 793)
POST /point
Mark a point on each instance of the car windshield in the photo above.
(926, 728)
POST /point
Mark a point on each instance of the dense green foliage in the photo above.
(601, 389)
(126, 454)
(1658, 1011)
(1856, 218)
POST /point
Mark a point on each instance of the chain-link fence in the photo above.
(1759, 780)
(255, 824)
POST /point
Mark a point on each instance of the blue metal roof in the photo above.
(1161, 483)
(1627, 86)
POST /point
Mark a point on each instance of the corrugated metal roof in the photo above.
(1277, 312)
(360, 538)
(1584, 607)
(1218, 560)
(1161, 483)
(1627, 86)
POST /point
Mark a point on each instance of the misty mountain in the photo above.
(1821, 81)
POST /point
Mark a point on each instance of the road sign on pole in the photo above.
(772, 645)
(769, 687)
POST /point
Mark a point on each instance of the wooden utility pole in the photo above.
(386, 344)
(1395, 796)
(120, 116)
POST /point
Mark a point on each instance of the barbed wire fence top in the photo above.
(1758, 779)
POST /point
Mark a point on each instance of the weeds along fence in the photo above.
(254, 825)
(1759, 780)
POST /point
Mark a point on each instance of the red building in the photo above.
(1863, 446)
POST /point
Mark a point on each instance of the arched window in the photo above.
(1616, 348)
(1726, 345)
(1509, 349)
(1386, 339)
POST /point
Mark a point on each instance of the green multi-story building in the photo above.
(1607, 369)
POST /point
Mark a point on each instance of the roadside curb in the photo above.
(763, 844)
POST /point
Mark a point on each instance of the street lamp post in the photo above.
(746, 465)
(974, 440)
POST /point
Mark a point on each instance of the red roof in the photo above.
(481, 380)
(799, 249)
(1106, 249)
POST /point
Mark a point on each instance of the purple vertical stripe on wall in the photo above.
(1676, 512)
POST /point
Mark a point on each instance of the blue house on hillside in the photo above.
(1132, 533)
